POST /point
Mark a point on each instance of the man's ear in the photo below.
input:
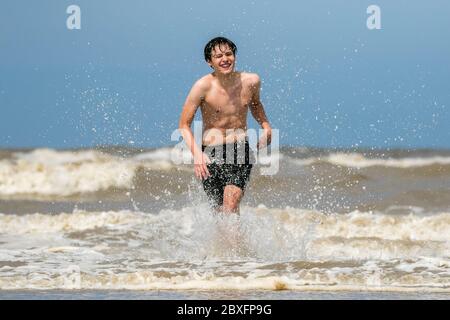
(209, 63)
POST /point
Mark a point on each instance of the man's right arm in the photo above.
(190, 107)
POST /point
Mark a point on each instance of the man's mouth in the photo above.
(225, 65)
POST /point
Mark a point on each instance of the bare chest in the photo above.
(227, 102)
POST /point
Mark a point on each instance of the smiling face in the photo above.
(222, 59)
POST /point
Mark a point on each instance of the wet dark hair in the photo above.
(218, 41)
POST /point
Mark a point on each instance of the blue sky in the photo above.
(328, 80)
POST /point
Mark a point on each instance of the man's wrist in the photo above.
(266, 126)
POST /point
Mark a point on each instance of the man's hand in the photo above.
(200, 168)
(265, 140)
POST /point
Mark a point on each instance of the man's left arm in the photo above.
(257, 110)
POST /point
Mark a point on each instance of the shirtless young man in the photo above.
(224, 97)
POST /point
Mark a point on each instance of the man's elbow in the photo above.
(184, 127)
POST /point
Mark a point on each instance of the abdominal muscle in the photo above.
(219, 136)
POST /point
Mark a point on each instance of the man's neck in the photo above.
(226, 79)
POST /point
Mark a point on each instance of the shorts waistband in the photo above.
(239, 152)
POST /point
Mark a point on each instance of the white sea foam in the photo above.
(368, 278)
(65, 222)
(358, 160)
(272, 249)
(270, 232)
(52, 173)
(49, 172)
(164, 158)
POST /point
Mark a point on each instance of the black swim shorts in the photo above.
(231, 164)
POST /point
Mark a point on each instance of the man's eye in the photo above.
(219, 56)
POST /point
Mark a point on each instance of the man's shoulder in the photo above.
(250, 77)
(201, 86)
(204, 82)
